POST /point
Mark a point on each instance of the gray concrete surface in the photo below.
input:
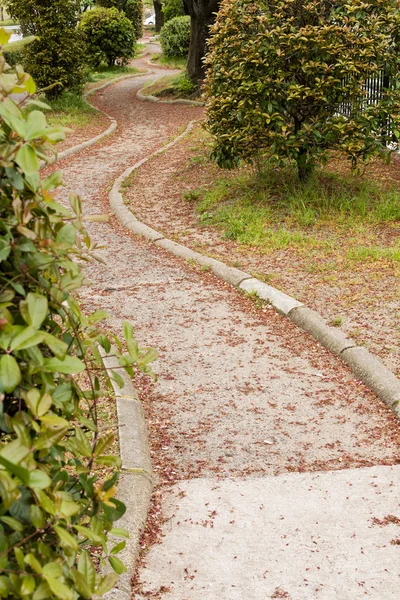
(296, 536)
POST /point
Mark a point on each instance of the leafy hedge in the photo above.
(280, 72)
(134, 11)
(175, 37)
(171, 9)
(57, 479)
(56, 58)
(109, 35)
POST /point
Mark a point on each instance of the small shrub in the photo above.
(172, 9)
(109, 35)
(134, 11)
(57, 477)
(56, 57)
(175, 37)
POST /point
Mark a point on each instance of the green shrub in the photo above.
(134, 11)
(57, 478)
(56, 58)
(109, 35)
(172, 9)
(175, 37)
(281, 72)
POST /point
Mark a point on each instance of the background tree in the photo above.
(202, 16)
(56, 57)
(109, 35)
(172, 9)
(133, 9)
(280, 73)
(159, 15)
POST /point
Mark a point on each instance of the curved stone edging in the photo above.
(363, 364)
(135, 484)
(88, 143)
(144, 98)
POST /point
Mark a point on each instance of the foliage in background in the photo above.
(175, 37)
(134, 12)
(278, 72)
(171, 9)
(57, 479)
(133, 9)
(109, 35)
(56, 58)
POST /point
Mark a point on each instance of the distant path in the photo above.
(246, 406)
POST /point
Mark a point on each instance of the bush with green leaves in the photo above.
(171, 9)
(109, 36)
(58, 480)
(175, 37)
(292, 79)
(56, 58)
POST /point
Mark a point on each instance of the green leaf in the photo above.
(82, 585)
(86, 568)
(104, 443)
(37, 517)
(28, 585)
(34, 309)
(15, 469)
(33, 562)
(29, 337)
(67, 235)
(109, 461)
(42, 592)
(107, 583)
(118, 547)
(82, 443)
(49, 438)
(28, 161)
(69, 365)
(52, 181)
(119, 532)
(13, 523)
(58, 347)
(117, 565)
(88, 534)
(60, 589)
(38, 479)
(66, 539)
(10, 374)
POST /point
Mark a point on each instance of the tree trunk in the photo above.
(159, 14)
(202, 16)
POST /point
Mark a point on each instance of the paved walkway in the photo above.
(274, 450)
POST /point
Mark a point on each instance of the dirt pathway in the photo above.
(242, 394)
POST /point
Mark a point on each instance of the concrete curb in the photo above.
(135, 484)
(144, 98)
(366, 367)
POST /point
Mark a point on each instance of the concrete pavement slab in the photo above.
(296, 536)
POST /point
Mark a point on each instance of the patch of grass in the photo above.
(336, 321)
(104, 74)
(173, 62)
(70, 110)
(140, 49)
(270, 209)
(375, 253)
(171, 87)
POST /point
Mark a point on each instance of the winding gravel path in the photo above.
(242, 397)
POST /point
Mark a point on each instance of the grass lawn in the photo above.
(173, 62)
(172, 87)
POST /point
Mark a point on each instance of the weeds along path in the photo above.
(245, 403)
